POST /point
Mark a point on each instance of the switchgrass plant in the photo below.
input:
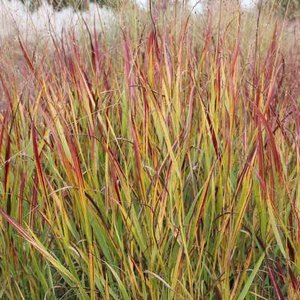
(162, 163)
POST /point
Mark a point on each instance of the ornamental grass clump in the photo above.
(160, 162)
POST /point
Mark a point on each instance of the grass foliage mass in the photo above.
(156, 160)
